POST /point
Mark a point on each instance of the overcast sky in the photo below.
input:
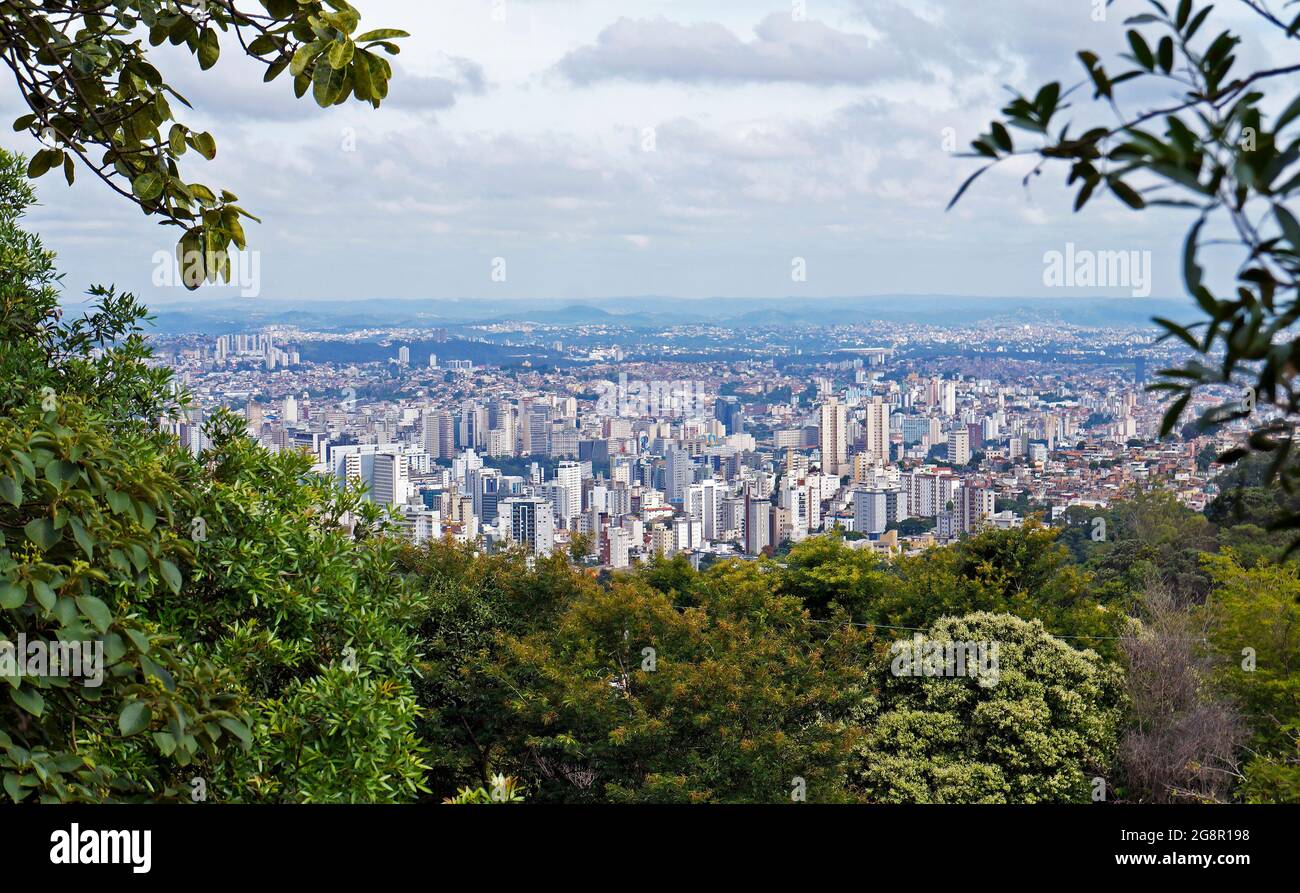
(690, 148)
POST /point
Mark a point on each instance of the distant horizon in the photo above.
(209, 297)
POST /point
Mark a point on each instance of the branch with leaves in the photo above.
(1213, 151)
(96, 101)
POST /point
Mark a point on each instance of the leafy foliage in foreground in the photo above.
(256, 642)
(88, 504)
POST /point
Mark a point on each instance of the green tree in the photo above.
(1144, 537)
(255, 639)
(1022, 571)
(89, 505)
(1254, 626)
(739, 697)
(1037, 731)
(291, 588)
(826, 575)
(472, 602)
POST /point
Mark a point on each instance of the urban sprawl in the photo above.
(714, 443)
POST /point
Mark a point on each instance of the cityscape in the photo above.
(579, 442)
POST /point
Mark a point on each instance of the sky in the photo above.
(581, 149)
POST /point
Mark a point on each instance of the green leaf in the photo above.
(1141, 51)
(42, 161)
(12, 596)
(139, 640)
(11, 491)
(43, 594)
(84, 539)
(14, 788)
(205, 145)
(147, 187)
(60, 470)
(237, 728)
(150, 667)
(42, 533)
(380, 34)
(135, 718)
(1288, 115)
(1166, 54)
(1002, 137)
(341, 53)
(29, 699)
(171, 576)
(326, 85)
(1290, 226)
(302, 58)
(96, 611)
(209, 50)
(1173, 414)
(1127, 194)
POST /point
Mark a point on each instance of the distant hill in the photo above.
(223, 315)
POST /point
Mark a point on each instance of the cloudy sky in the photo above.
(691, 148)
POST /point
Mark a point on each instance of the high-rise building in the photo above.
(875, 509)
(929, 490)
(532, 524)
(973, 507)
(568, 488)
(730, 412)
(678, 474)
(253, 412)
(473, 426)
(537, 436)
(834, 436)
(703, 503)
(616, 545)
(758, 520)
(388, 484)
(959, 446)
(796, 502)
(439, 434)
(875, 430)
(484, 485)
(948, 397)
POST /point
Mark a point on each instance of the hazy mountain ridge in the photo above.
(221, 316)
